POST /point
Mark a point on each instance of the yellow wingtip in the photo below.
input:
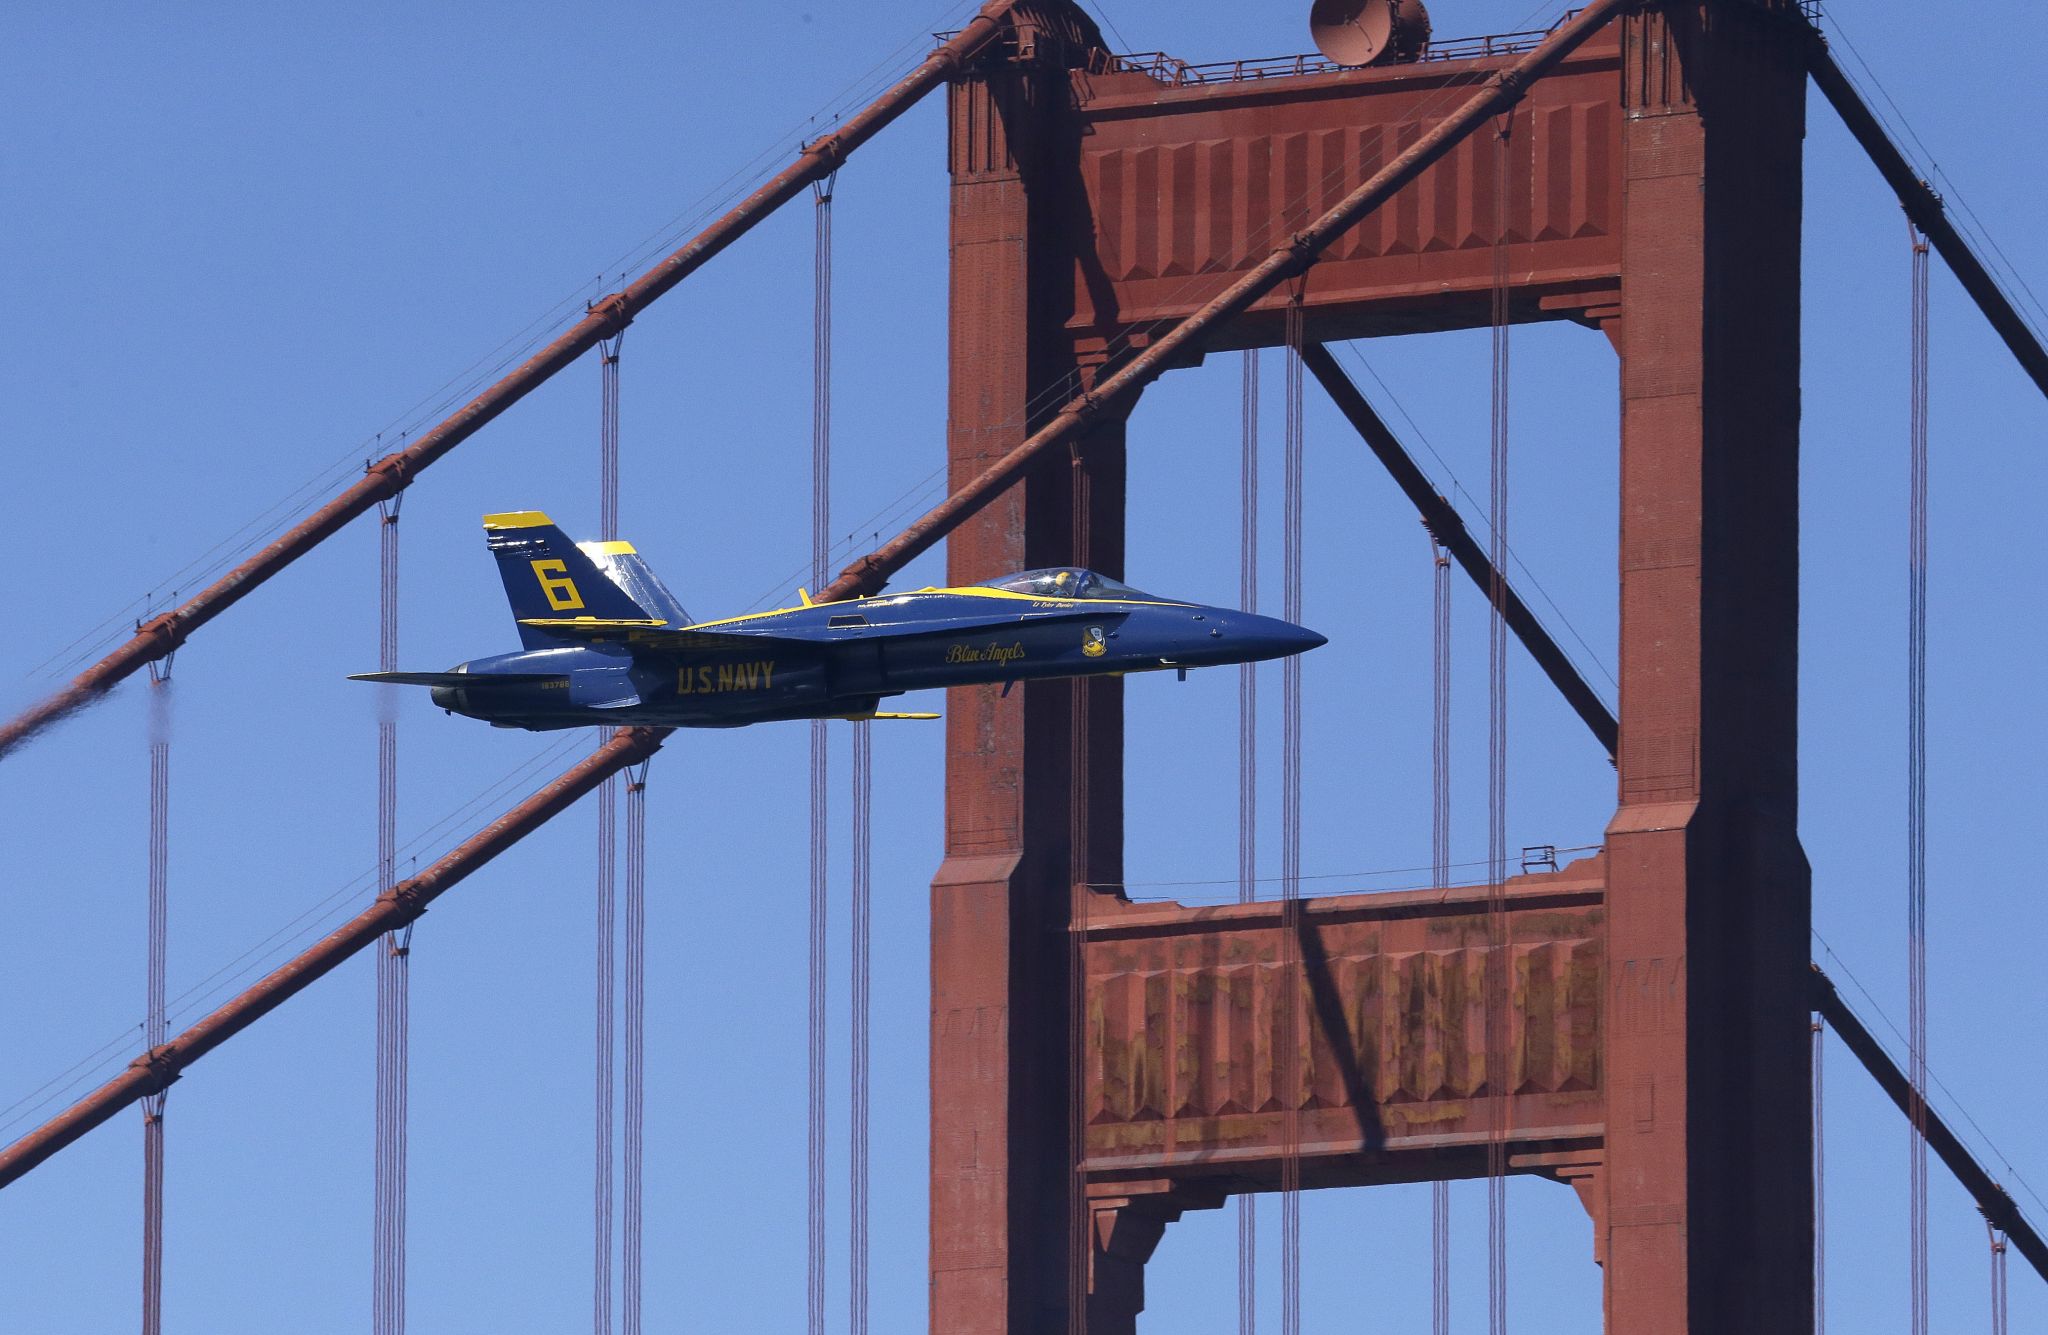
(619, 547)
(804, 597)
(517, 519)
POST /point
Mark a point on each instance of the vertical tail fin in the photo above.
(630, 571)
(546, 575)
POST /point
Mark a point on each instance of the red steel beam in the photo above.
(163, 634)
(1994, 1202)
(1924, 207)
(156, 1069)
(1502, 90)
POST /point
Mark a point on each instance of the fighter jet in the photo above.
(606, 643)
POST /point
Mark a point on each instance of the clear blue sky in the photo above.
(238, 242)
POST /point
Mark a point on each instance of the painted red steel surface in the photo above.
(1184, 1023)
(1660, 1040)
(1033, 799)
(1186, 189)
(1000, 902)
(1708, 1224)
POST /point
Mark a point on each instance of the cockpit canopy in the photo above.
(1067, 582)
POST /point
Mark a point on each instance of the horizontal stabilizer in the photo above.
(470, 680)
(863, 718)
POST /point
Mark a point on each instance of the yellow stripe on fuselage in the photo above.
(965, 591)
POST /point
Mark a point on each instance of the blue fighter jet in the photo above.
(606, 643)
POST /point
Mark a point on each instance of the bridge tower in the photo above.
(1658, 1055)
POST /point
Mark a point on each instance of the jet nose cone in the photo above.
(1270, 637)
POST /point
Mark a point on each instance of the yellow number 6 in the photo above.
(561, 591)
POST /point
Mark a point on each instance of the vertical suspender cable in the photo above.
(1080, 896)
(632, 1151)
(1440, 874)
(607, 883)
(1820, 1188)
(633, 1159)
(1293, 1040)
(821, 539)
(2000, 1312)
(1500, 950)
(393, 963)
(607, 1048)
(1916, 783)
(158, 929)
(860, 953)
(1248, 785)
(863, 974)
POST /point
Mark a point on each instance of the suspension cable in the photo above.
(1916, 783)
(1498, 979)
(1248, 786)
(863, 978)
(2001, 1310)
(606, 1220)
(1440, 867)
(154, 1025)
(634, 1157)
(821, 530)
(1292, 1039)
(1820, 1187)
(1080, 897)
(393, 965)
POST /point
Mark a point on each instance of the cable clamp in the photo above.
(162, 1064)
(612, 309)
(397, 468)
(831, 150)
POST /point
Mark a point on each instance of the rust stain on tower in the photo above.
(1658, 1060)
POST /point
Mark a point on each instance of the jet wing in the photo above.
(654, 635)
(459, 678)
